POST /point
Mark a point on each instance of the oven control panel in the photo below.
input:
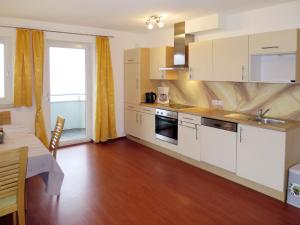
(166, 113)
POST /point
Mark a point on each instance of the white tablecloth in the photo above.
(40, 161)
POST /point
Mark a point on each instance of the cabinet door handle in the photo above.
(190, 72)
(243, 72)
(137, 83)
(136, 118)
(186, 118)
(141, 119)
(196, 132)
(269, 47)
(162, 74)
(241, 135)
(147, 110)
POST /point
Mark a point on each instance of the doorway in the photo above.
(68, 95)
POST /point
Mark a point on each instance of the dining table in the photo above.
(40, 160)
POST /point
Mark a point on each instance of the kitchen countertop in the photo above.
(230, 116)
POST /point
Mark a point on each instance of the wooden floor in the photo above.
(124, 183)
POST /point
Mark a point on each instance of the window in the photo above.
(5, 71)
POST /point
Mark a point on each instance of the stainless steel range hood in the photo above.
(181, 47)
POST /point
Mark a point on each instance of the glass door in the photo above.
(67, 94)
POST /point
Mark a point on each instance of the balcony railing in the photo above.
(76, 97)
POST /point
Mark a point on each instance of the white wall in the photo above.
(278, 17)
(121, 41)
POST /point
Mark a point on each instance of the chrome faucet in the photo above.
(261, 113)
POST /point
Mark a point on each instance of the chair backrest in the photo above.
(56, 134)
(13, 165)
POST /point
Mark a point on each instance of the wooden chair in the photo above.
(13, 164)
(56, 134)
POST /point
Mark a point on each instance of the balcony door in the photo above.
(68, 74)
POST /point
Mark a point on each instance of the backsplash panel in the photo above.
(283, 99)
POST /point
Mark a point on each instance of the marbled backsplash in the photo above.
(283, 99)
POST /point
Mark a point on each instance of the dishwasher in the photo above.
(218, 143)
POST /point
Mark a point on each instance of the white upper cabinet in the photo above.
(161, 57)
(261, 156)
(274, 57)
(132, 55)
(230, 59)
(201, 60)
(277, 42)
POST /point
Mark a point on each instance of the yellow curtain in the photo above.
(23, 70)
(38, 62)
(105, 127)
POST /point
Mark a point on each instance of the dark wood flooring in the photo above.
(124, 183)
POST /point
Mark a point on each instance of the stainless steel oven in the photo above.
(166, 126)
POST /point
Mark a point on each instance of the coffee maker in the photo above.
(163, 95)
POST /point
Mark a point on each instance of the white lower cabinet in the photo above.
(147, 127)
(261, 156)
(218, 147)
(132, 123)
(189, 140)
(140, 124)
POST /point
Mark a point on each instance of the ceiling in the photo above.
(126, 15)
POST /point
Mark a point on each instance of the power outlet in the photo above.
(217, 103)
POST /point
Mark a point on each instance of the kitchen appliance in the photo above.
(163, 95)
(166, 126)
(218, 143)
(181, 47)
(150, 97)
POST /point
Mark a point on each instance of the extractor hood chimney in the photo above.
(181, 47)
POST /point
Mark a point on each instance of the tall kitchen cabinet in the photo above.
(230, 59)
(136, 72)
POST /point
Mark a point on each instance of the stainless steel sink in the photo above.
(269, 121)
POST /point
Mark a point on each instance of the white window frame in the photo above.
(87, 46)
(8, 72)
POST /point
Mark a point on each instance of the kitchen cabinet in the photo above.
(230, 59)
(201, 60)
(274, 57)
(132, 122)
(278, 42)
(160, 58)
(136, 72)
(140, 122)
(218, 146)
(261, 156)
(189, 140)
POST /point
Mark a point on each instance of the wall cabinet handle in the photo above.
(269, 47)
(136, 118)
(137, 83)
(190, 73)
(243, 72)
(141, 119)
(241, 135)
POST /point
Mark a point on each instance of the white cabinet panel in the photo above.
(132, 82)
(132, 124)
(261, 155)
(189, 140)
(277, 42)
(147, 129)
(201, 60)
(230, 59)
(132, 55)
(218, 147)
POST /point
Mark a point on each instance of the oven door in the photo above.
(166, 129)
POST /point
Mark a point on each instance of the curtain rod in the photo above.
(56, 31)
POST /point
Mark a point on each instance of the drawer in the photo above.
(189, 118)
(132, 107)
(278, 42)
(148, 110)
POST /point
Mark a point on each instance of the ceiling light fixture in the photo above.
(154, 20)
